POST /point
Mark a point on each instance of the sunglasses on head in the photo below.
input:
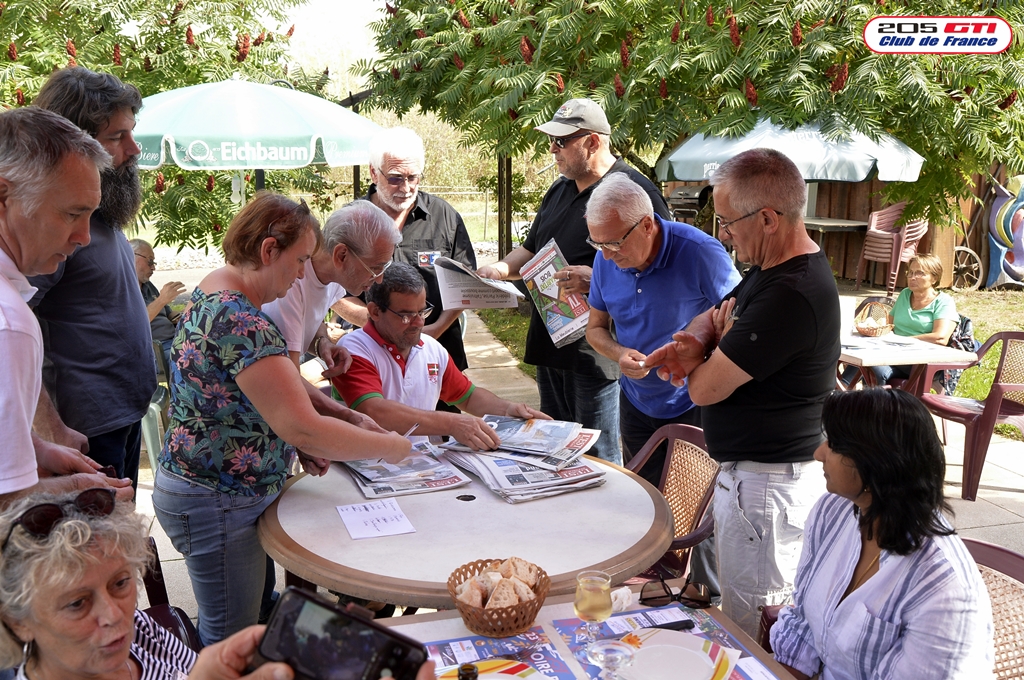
(658, 594)
(40, 520)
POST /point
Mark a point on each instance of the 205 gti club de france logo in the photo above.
(937, 35)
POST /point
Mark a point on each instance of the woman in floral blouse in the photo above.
(238, 408)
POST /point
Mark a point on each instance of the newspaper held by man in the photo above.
(421, 472)
(517, 482)
(564, 314)
(461, 288)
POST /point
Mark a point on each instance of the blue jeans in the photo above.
(591, 400)
(216, 532)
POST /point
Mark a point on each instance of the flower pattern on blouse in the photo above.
(216, 437)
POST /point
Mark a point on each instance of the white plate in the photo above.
(669, 655)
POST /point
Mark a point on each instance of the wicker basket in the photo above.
(501, 621)
(879, 312)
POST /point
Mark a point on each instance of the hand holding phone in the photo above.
(322, 641)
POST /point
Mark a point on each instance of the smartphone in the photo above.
(322, 641)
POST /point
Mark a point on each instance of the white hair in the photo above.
(763, 178)
(359, 225)
(399, 143)
(620, 196)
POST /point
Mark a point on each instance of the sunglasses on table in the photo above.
(658, 594)
(40, 520)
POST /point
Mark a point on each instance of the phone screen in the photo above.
(320, 642)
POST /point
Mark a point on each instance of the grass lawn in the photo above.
(990, 310)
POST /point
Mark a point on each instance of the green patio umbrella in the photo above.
(239, 125)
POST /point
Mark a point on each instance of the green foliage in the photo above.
(947, 109)
(147, 43)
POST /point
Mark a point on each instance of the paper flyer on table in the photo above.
(532, 648)
(461, 288)
(375, 518)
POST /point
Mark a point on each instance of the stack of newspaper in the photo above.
(518, 482)
(421, 472)
(537, 458)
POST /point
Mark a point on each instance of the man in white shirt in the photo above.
(399, 372)
(359, 240)
(49, 188)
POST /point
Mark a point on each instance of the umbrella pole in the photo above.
(261, 182)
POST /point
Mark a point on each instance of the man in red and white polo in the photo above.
(398, 373)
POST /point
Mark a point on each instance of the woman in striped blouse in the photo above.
(69, 570)
(884, 589)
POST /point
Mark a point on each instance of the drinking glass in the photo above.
(593, 605)
(610, 656)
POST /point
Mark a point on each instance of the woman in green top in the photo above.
(920, 312)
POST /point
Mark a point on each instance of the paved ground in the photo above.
(997, 516)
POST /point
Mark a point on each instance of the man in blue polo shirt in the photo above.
(654, 275)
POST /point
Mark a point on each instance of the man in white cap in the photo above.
(576, 383)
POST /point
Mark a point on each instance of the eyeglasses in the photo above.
(614, 246)
(40, 520)
(724, 226)
(148, 260)
(693, 595)
(917, 272)
(407, 317)
(560, 142)
(374, 273)
(395, 180)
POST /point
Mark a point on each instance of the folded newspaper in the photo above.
(533, 435)
(518, 482)
(421, 472)
(461, 288)
(564, 314)
(553, 461)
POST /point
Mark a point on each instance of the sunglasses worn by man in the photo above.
(40, 520)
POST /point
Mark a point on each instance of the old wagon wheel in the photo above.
(967, 269)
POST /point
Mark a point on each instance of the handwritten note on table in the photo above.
(375, 518)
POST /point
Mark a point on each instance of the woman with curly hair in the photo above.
(885, 588)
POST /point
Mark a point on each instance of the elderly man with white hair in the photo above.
(429, 225)
(652, 278)
(359, 240)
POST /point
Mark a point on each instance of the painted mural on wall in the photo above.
(1006, 235)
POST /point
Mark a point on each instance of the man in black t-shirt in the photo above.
(760, 366)
(575, 382)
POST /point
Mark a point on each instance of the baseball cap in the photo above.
(575, 115)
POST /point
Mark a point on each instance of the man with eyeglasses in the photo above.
(399, 372)
(49, 188)
(649, 280)
(760, 366)
(99, 377)
(576, 383)
(162, 319)
(429, 225)
(359, 240)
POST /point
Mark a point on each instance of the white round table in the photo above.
(621, 528)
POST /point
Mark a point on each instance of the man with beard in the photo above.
(430, 228)
(98, 377)
(576, 383)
